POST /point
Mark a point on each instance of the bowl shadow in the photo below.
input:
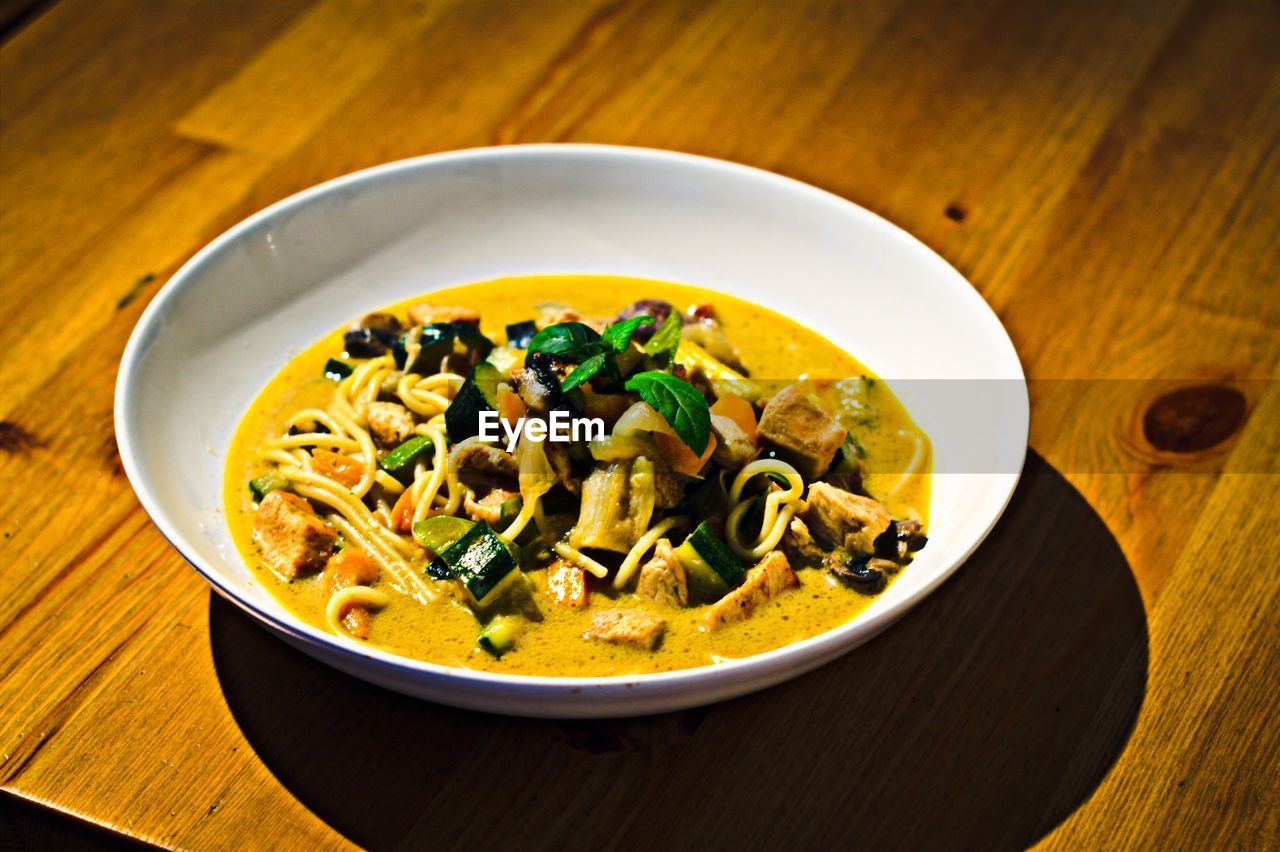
(981, 720)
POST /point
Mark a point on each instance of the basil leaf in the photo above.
(679, 403)
(619, 336)
(665, 340)
(584, 371)
(572, 340)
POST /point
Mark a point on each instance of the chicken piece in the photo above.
(567, 583)
(627, 627)
(425, 313)
(734, 447)
(390, 423)
(839, 519)
(770, 578)
(489, 507)
(473, 455)
(662, 579)
(556, 314)
(798, 544)
(805, 434)
(293, 539)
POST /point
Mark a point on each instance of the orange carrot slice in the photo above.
(341, 469)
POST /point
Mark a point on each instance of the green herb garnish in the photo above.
(618, 337)
(574, 341)
(679, 403)
(665, 340)
(594, 353)
(585, 371)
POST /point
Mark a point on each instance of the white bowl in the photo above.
(238, 310)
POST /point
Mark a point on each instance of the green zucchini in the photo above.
(439, 340)
(499, 635)
(508, 512)
(337, 370)
(478, 393)
(520, 333)
(712, 567)
(439, 531)
(401, 461)
(483, 563)
(265, 484)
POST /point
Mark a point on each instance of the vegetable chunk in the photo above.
(805, 434)
(627, 627)
(766, 581)
(349, 568)
(734, 448)
(390, 423)
(293, 539)
(663, 578)
(839, 519)
(425, 313)
(567, 584)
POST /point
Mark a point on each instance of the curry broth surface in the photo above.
(772, 347)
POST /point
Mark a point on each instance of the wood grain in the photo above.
(1106, 173)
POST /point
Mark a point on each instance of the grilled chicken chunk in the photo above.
(734, 447)
(839, 519)
(798, 544)
(390, 423)
(425, 313)
(472, 455)
(805, 434)
(627, 627)
(662, 578)
(293, 539)
(770, 578)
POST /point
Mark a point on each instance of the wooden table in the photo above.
(1104, 671)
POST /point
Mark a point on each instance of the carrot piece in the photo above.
(358, 622)
(739, 411)
(349, 567)
(511, 407)
(679, 457)
(341, 469)
(402, 512)
(567, 584)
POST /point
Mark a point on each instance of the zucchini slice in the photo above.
(482, 562)
(265, 484)
(439, 531)
(520, 333)
(337, 370)
(478, 393)
(439, 340)
(498, 636)
(712, 567)
(401, 461)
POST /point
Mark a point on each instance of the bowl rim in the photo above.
(815, 649)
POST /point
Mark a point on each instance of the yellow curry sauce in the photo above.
(444, 631)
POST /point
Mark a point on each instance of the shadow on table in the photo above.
(982, 720)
